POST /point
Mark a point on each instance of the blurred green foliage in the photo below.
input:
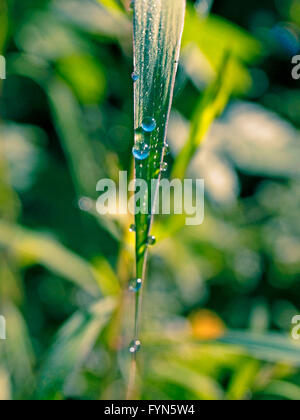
(220, 297)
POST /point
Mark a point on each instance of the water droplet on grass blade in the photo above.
(132, 228)
(135, 346)
(135, 285)
(135, 77)
(151, 240)
(85, 204)
(141, 151)
(164, 167)
(149, 124)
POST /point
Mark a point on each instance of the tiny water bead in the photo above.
(135, 77)
(151, 240)
(149, 124)
(141, 151)
(164, 167)
(85, 204)
(135, 346)
(132, 228)
(135, 285)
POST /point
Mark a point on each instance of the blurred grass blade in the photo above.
(17, 352)
(72, 345)
(282, 390)
(210, 105)
(32, 248)
(158, 27)
(112, 4)
(202, 386)
(3, 25)
(67, 115)
(243, 380)
(9, 204)
(269, 347)
(5, 385)
(77, 147)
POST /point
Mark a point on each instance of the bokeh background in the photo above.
(220, 297)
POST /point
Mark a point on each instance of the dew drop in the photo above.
(132, 228)
(135, 77)
(164, 167)
(135, 285)
(141, 151)
(135, 346)
(151, 240)
(85, 204)
(149, 124)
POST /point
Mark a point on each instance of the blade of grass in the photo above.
(209, 107)
(158, 27)
(270, 347)
(33, 248)
(71, 346)
(243, 380)
(67, 116)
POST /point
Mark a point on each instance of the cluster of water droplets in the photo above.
(164, 167)
(135, 285)
(135, 346)
(132, 228)
(135, 77)
(141, 149)
(151, 240)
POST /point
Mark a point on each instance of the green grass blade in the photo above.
(210, 105)
(67, 117)
(243, 380)
(270, 347)
(71, 346)
(158, 27)
(33, 248)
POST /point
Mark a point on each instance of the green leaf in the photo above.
(112, 4)
(215, 35)
(202, 386)
(105, 19)
(242, 381)
(283, 390)
(85, 76)
(72, 345)
(68, 122)
(33, 248)
(209, 107)
(3, 25)
(158, 27)
(269, 347)
(16, 352)
(9, 205)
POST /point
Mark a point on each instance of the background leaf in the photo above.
(70, 348)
